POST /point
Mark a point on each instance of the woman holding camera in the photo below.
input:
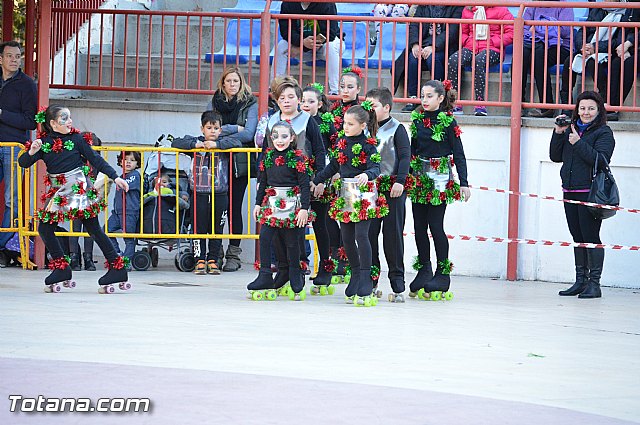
(576, 142)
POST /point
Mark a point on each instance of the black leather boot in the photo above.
(75, 262)
(89, 265)
(595, 260)
(582, 273)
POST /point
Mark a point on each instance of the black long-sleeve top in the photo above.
(343, 163)
(402, 146)
(424, 146)
(578, 159)
(281, 174)
(442, 32)
(295, 8)
(66, 160)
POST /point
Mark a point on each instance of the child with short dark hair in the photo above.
(71, 196)
(395, 152)
(211, 189)
(125, 214)
(435, 145)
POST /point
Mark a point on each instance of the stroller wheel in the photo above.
(141, 261)
(176, 261)
(186, 262)
(154, 256)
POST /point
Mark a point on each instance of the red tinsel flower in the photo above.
(429, 197)
(61, 179)
(88, 138)
(450, 184)
(357, 70)
(261, 166)
(267, 212)
(281, 203)
(81, 190)
(362, 158)
(263, 220)
(41, 134)
(47, 180)
(457, 130)
(443, 196)
(328, 265)
(364, 204)
(256, 265)
(279, 161)
(312, 163)
(270, 191)
(57, 145)
(342, 144)
(447, 85)
(362, 214)
(63, 201)
(304, 265)
(272, 221)
(117, 264)
(372, 141)
(337, 122)
(342, 254)
(301, 167)
(435, 163)
(298, 152)
(345, 217)
(74, 131)
(371, 184)
(427, 122)
(295, 190)
(59, 263)
(456, 196)
(27, 146)
(342, 158)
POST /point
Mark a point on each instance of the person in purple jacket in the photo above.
(541, 41)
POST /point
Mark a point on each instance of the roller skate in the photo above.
(281, 282)
(262, 287)
(322, 281)
(296, 278)
(397, 296)
(341, 272)
(60, 276)
(365, 297)
(116, 274)
(375, 276)
(352, 287)
(425, 274)
(438, 288)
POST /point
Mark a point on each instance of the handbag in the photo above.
(604, 191)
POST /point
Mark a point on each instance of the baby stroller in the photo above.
(166, 183)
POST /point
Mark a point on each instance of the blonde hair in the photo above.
(245, 91)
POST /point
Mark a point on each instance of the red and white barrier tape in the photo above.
(541, 242)
(551, 198)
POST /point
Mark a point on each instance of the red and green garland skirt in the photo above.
(368, 204)
(431, 181)
(69, 196)
(280, 207)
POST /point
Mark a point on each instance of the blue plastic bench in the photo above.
(239, 47)
(355, 9)
(252, 6)
(354, 45)
(386, 45)
(506, 61)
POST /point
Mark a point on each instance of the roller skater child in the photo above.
(435, 147)
(71, 195)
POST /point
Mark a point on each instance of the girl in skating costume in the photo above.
(315, 103)
(288, 95)
(435, 146)
(282, 208)
(71, 195)
(358, 162)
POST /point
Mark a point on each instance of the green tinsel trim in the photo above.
(417, 265)
(445, 266)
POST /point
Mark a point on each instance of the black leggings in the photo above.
(238, 188)
(47, 233)
(320, 230)
(429, 217)
(582, 225)
(356, 244)
(334, 236)
(74, 246)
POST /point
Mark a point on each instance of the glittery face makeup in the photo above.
(64, 117)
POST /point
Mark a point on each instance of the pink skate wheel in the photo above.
(124, 286)
(69, 284)
(55, 288)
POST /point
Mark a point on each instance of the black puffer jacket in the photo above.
(578, 159)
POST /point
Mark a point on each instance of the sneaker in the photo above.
(480, 111)
(409, 107)
(458, 110)
(212, 267)
(201, 267)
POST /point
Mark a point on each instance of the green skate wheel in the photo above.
(347, 279)
(367, 301)
(331, 290)
(448, 296)
(335, 279)
(271, 295)
(349, 300)
(314, 290)
(291, 295)
(256, 296)
(421, 294)
(323, 290)
(436, 296)
(374, 301)
(303, 295)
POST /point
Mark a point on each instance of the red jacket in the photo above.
(499, 35)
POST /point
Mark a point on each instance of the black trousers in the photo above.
(392, 240)
(335, 240)
(355, 237)
(238, 188)
(582, 226)
(427, 217)
(538, 54)
(287, 246)
(74, 246)
(47, 233)
(320, 230)
(202, 221)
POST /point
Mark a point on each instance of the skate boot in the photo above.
(75, 262)
(397, 296)
(322, 282)
(341, 272)
(262, 287)
(365, 296)
(281, 281)
(425, 274)
(296, 277)
(438, 287)
(89, 265)
(232, 262)
(60, 276)
(352, 287)
(116, 273)
(375, 276)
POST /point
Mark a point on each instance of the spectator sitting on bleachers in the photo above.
(314, 37)
(598, 42)
(390, 10)
(426, 47)
(541, 41)
(477, 40)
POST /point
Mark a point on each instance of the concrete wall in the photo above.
(486, 142)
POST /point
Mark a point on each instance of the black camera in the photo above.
(563, 121)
